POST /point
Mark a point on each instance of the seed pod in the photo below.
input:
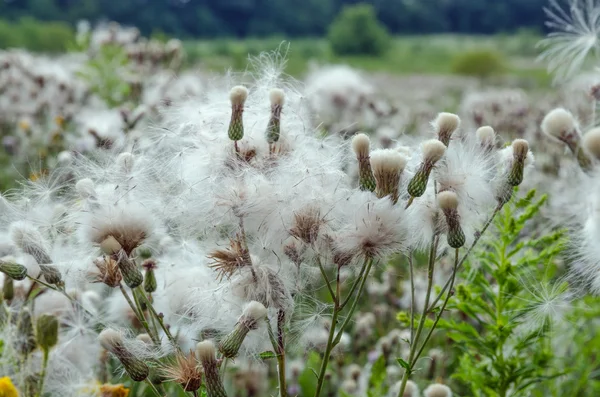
(361, 146)
(253, 313)
(387, 165)
(13, 270)
(238, 97)
(112, 341)
(47, 331)
(277, 98)
(51, 274)
(26, 337)
(433, 150)
(131, 274)
(205, 351)
(448, 202)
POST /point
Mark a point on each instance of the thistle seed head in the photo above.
(387, 165)
(560, 124)
(445, 125)
(437, 390)
(591, 142)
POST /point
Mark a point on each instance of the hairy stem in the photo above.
(159, 319)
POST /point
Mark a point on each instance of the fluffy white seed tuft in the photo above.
(277, 97)
(361, 144)
(520, 148)
(486, 135)
(206, 350)
(110, 338)
(238, 95)
(433, 150)
(446, 122)
(437, 390)
(125, 162)
(387, 160)
(255, 310)
(86, 188)
(591, 142)
(447, 200)
(559, 123)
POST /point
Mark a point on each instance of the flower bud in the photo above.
(13, 270)
(47, 331)
(237, 97)
(433, 151)
(520, 151)
(486, 136)
(591, 142)
(8, 289)
(448, 202)
(253, 313)
(205, 351)
(131, 274)
(277, 98)
(112, 341)
(26, 338)
(361, 145)
(51, 274)
(388, 165)
(150, 284)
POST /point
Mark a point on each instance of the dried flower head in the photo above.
(228, 261)
(486, 136)
(307, 225)
(388, 165)
(277, 98)
(107, 272)
(184, 370)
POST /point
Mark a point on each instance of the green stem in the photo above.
(437, 319)
(356, 283)
(281, 353)
(324, 274)
(46, 353)
(464, 258)
(152, 387)
(412, 297)
(159, 319)
(140, 316)
(413, 346)
(280, 361)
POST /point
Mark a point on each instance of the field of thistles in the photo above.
(166, 231)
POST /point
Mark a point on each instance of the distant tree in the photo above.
(356, 30)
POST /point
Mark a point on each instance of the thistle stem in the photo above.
(412, 297)
(138, 315)
(464, 258)
(46, 353)
(413, 345)
(152, 387)
(437, 319)
(333, 340)
(159, 319)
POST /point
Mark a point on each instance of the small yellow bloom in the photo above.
(109, 390)
(60, 121)
(24, 125)
(7, 389)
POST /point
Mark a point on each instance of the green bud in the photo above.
(418, 184)
(456, 236)
(13, 270)
(47, 331)
(150, 281)
(51, 274)
(131, 274)
(26, 340)
(8, 289)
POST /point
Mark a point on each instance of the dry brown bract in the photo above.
(227, 261)
(184, 370)
(108, 272)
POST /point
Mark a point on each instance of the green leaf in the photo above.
(267, 355)
(378, 374)
(403, 364)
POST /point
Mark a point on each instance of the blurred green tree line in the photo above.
(293, 18)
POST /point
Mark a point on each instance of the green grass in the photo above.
(407, 55)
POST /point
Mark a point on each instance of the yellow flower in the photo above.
(109, 390)
(24, 125)
(7, 389)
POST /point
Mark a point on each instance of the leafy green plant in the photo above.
(356, 31)
(506, 305)
(104, 75)
(478, 63)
